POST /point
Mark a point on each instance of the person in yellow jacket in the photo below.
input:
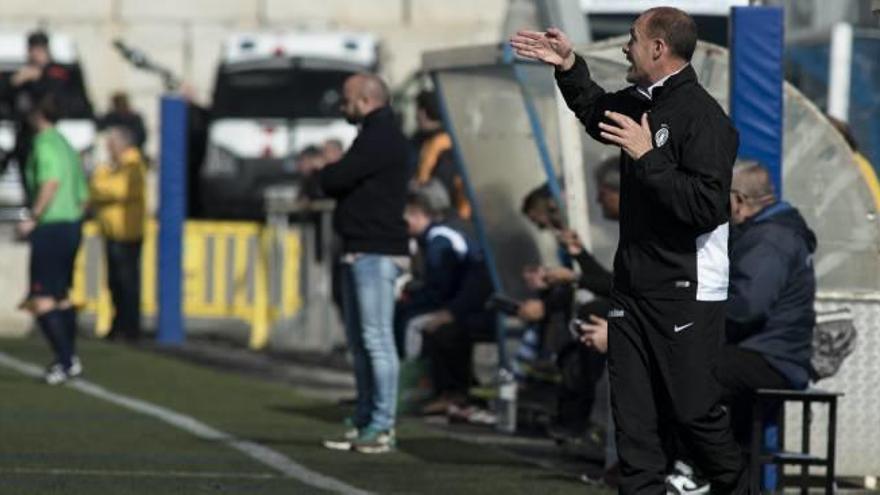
(866, 169)
(118, 200)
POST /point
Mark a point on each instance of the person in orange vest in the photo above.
(435, 154)
(118, 200)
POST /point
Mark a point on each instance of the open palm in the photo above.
(551, 47)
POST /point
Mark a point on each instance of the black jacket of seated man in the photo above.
(770, 315)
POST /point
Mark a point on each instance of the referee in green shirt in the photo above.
(58, 190)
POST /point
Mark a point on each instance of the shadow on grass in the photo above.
(330, 413)
(438, 450)
(583, 487)
(12, 377)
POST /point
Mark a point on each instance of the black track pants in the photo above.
(661, 355)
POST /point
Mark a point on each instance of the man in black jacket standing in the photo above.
(671, 267)
(32, 83)
(369, 185)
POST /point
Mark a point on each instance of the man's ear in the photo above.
(658, 47)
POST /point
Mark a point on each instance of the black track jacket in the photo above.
(674, 203)
(369, 186)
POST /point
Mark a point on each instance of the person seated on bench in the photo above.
(448, 308)
(769, 312)
(549, 309)
(770, 315)
(581, 366)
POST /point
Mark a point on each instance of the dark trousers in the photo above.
(661, 355)
(449, 353)
(124, 279)
(740, 372)
(449, 350)
(580, 369)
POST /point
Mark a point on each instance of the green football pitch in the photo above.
(145, 422)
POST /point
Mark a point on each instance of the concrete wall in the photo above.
(185, 35)
(14, 258)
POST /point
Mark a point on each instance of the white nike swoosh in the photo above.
(680, 328)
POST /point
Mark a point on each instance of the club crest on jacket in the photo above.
(661, 136)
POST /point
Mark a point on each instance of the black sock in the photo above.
(55, 330)
(69, 315)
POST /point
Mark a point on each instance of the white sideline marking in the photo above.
(136, 474)
(260, 453)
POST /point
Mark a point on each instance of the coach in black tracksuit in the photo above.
(671, 267)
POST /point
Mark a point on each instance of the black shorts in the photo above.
(53, 253)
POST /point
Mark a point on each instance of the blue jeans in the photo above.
(368, 304)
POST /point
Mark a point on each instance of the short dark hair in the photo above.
(47, 107)
(310, 150)
(119, 101)
(38, 38)
(540, 195)
(427, 102)
(675, 27)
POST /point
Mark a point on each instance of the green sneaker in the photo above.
(372, 441)
(344, 441)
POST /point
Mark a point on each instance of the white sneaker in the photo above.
(679, 484)
(76, 368)
(683, 481)
(55, 375)
(343, 442)
(371, 441)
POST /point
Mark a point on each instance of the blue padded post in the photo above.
(172, 213)
(756, 75)
(770, 472)
(756, 107)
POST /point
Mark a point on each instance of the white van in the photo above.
(275, 94)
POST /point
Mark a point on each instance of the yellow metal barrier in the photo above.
(230, 271)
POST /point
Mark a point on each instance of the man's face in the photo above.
(416, 220)
(38, 55)
(114, 145)
(424, 121)
(308, 163)
(349, 106)
(541, 216)
(639, 53)
(609, 201)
